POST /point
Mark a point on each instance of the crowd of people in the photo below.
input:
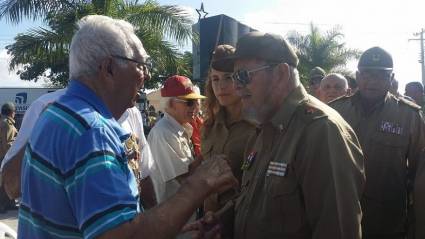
(267, 158)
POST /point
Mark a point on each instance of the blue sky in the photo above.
(365, 23)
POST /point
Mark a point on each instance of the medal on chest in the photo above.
(277, 169)
(247, 163)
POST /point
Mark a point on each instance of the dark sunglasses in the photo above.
(145, 66)
(243, 77)
(188, 103)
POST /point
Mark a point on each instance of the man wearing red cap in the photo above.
(170, 137)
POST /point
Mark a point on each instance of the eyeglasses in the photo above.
(243, 77)
(188, 103)
(145, 66)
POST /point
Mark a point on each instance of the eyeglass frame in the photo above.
(145, 66)
(188, 103)
(236, 79)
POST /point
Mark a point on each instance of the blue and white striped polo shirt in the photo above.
(75, 179)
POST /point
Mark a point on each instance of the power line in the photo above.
(421, 60)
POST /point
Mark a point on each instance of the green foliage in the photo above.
(43, 52)
(321, 49)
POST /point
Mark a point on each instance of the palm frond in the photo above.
(15, 10)
(172, 21)
(38, 44)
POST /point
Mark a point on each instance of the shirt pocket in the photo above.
(386, 168)
(282, 211)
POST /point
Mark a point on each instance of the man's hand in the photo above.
(207, 227)
(215, 174)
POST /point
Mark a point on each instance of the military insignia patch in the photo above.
(248, 161)
(277, 169)
(392, 128)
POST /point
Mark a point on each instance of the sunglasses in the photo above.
(243, 77)
(188, 103)
(145, 66)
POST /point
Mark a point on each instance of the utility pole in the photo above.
(421, 60)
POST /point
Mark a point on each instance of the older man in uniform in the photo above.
(391, 133)
(303, 175)
(316, 76)
(333, 86)
(7, 136)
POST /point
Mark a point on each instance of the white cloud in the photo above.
(11, 79)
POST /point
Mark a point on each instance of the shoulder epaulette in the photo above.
(309, 111)
(342, 98)
(409, 103)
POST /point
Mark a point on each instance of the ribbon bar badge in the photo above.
(278, 169)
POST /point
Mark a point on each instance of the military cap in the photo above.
(265, 46)
(220, 52)
(317, 72)
(375, 58)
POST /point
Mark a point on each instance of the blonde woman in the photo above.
(224, 131)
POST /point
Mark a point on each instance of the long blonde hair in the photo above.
(212, 106)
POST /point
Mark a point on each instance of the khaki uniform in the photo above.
(7, 134)
(229, 140)
(392, 139)
(303, 177)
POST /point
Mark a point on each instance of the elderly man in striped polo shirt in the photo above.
(76, 182)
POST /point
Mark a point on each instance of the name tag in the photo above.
(392, 128)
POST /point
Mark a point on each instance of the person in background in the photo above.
(170, 138)
(196, 124)
(391, 132)
(141, 161)
(11, 165)
(225, 131)
(415, 90)
(316, 76)
(76, 152)
(333, 86)
(352, 84)
(7, 137)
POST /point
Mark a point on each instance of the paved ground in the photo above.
(10, 218)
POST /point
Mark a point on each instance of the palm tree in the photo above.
(43, 52)
(324, 50)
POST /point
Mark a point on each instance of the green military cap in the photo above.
(265, 46)
(220, 52)
(317, 72)
(375, 58)
(8, 106)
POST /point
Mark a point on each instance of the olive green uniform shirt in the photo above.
(231, 141)
(303, 177)
(392, 139)
(7, 134)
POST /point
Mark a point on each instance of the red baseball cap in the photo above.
(180, 87)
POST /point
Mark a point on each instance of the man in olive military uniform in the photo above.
(316, 76)
(7, 136)
(391, 133)
(303, 174)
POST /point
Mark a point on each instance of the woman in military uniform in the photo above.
(224, 131)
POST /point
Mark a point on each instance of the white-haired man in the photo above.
(76, 152)
(333, 86)
(170, 142)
